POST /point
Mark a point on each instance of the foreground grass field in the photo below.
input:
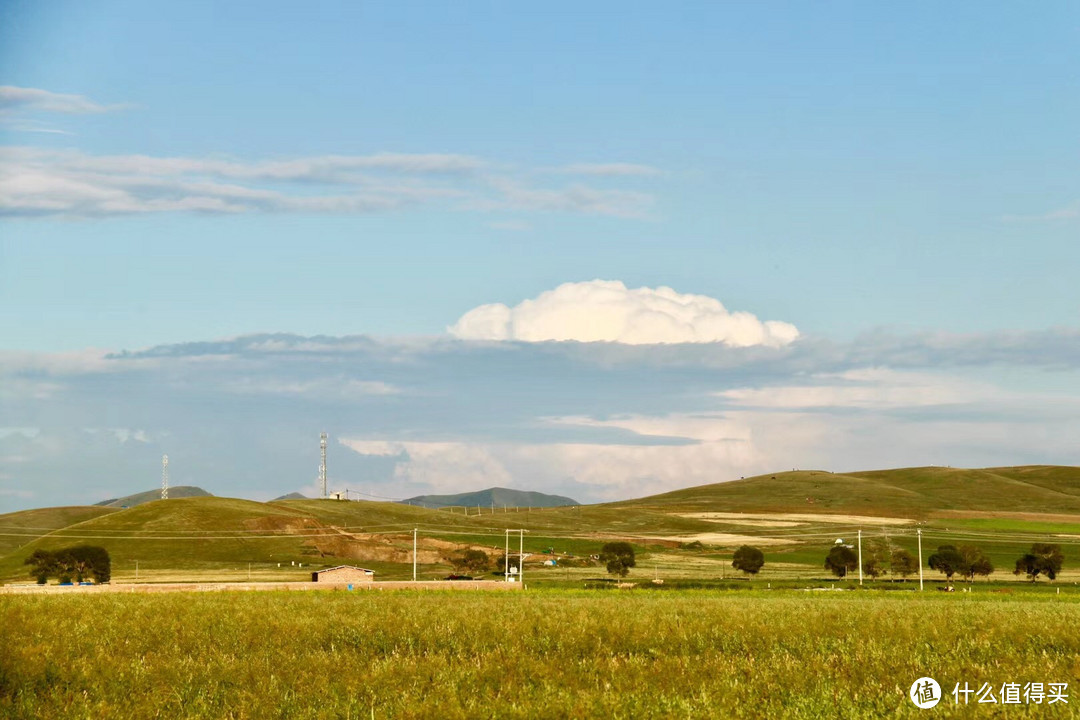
(549, 654)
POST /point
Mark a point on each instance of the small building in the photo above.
(343, 574)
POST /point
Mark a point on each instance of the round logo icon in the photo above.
(925, 692)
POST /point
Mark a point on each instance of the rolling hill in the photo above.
(209, 537)
(907, 492)
(180, 491)
(19, 528)
(492, 497)
(291, 496)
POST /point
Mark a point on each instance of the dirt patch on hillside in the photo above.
(390, 548)
(282, 524)
(803, 517)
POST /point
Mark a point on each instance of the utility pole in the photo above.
(919, 533)
(506, 559)
(860, 557)
(521, 556)
(414, 555)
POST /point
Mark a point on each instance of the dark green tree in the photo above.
(473, 561)
(947, 560)
(42, 564)
(748, 559)
(1043, 559)
(840, 560)
(618, 557)
(903, 563)
(976, 562)
(876, 557)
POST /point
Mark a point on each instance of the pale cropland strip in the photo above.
(800, 517)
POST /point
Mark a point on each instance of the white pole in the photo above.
(860, 557)
(414, 555)
(919, 533)
(506, 559)
(521, 558)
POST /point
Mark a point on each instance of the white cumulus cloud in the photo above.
(608, 311)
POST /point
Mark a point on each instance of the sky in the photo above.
(599, 250)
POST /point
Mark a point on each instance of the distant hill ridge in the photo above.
(291, 496)
(496, 496)
(180, 491)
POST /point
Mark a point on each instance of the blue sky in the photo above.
(876, 177)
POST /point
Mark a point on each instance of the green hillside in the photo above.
(221, 535)
(908, 492)
(20, 528)
(492, 498)
(1003, 510)
(180, 491)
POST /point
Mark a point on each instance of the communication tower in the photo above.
(164, 477)
(322, 465)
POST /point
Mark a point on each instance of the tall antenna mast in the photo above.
(164, 477)
(322, 465)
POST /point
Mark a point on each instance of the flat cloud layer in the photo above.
(595, 421)
(608, 311)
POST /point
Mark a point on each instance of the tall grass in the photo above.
(555, 654)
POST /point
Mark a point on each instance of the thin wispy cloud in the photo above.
(1067, 213)
(575, 198)
(66, 182)
(37, 129)
(614, 169)
(15, 99)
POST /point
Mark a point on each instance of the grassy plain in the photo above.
(539, 654)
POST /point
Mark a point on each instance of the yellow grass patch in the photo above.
(803, 517)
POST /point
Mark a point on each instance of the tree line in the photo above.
(880, 557)
(964, 561)
(78, 564)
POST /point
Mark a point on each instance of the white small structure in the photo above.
(343, 574)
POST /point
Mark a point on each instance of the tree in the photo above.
(876, 557)
(748, 559)
(976, 562)
(840, 560)
(1042, 559)
(947, 560)
(473, 561)
(42, 565)
(619, 558)
(903, 563)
